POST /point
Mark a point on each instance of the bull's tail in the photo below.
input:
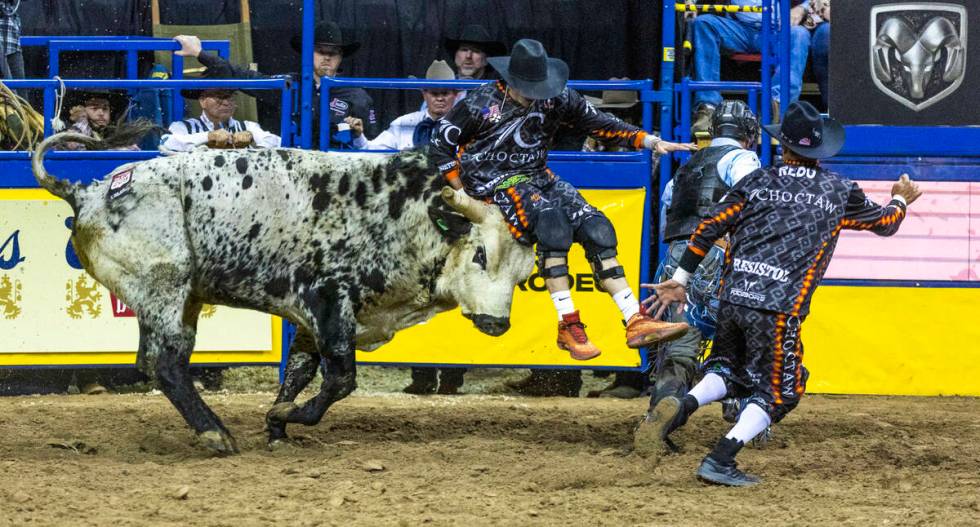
(123, 133)
(59, 187)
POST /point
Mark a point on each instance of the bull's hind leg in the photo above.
(336, 343)
(300, 370)
(167, 333)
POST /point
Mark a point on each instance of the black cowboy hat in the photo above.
(327, 32)
(117, 99)
(196, 93)
(807, 133)
(529, 69)
(476, 34)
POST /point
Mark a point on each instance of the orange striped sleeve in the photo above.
(452, 175)
(638, 139)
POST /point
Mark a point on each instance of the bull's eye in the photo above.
(480, 257)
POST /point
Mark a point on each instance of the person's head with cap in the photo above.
(98, 107)
(439, 100)
(471, 49)
(530, 74)
(329, 48)
(807, 134)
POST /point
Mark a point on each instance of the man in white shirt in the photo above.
(217, 124)
(413, 129)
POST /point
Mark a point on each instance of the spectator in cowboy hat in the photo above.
(91, 113)
(216, 126)
(414, 129)
(329, 51)
(470, 52)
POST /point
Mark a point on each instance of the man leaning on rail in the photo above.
(329, 51)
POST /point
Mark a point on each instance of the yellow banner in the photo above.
(451, 339)
(893, 341)
(53, 312)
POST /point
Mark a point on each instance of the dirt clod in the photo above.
(182, 492)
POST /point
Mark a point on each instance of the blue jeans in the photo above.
(712, 34)
(820, 43)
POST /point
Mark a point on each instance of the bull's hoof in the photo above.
(219, 442)
(281, 443)
(279, 414)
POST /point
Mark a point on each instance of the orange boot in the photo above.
(572, 338)
(642, 330)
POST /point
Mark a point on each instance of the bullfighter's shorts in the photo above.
(760, 356)
(523, 203)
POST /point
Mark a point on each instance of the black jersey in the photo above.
(784, 223)
(487, 140)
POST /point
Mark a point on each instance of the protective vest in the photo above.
(697, 188)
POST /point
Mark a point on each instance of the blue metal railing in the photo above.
(645, 87)
(50, 87)
(132, 46)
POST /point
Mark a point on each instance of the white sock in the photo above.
(751, 422)
(711, 388)
(563, 302)
(627, 303)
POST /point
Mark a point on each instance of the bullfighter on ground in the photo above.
(784, 222)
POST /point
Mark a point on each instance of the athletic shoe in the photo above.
(728, 474)
(642, 330)
(572, 338)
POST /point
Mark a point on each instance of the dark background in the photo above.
(598, 38)
(854, 97)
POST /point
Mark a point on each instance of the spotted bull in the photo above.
(349, 247)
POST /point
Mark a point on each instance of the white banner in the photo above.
(49, 304)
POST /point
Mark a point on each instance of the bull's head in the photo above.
(918, 54)
(484, 264)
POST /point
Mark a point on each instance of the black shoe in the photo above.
(420, 388)
(718, 473)
(702, 119)
(447, 389)
(651, 438)
(548, 383)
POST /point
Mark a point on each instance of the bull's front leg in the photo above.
(300, 370)
(167, 335)
(336, 343)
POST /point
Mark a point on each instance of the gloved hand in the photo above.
(220, 139)
(242, 139)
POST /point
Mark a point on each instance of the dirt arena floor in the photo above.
(393, 459)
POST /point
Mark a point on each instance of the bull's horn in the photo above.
(472, 209)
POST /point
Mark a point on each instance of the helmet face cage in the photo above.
(735, 119)
(701, 309)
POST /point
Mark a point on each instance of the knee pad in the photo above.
(553, 231)
(598, 237)
(555, 271)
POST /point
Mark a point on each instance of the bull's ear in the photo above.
(450, 225)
